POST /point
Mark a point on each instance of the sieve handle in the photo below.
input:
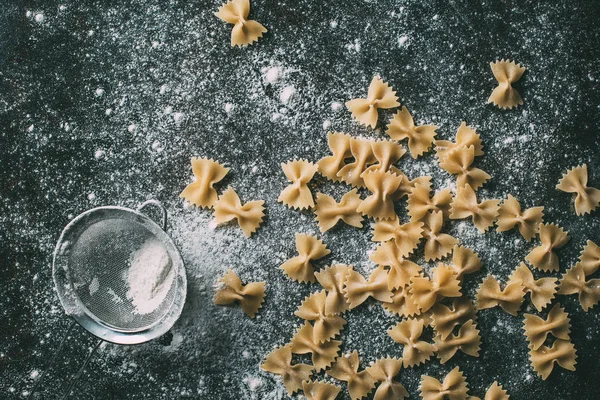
(162, 208)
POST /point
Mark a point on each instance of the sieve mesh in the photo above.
(99, 264)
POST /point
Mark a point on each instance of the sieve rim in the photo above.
(74, 307)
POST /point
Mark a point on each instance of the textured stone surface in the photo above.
(104, 103)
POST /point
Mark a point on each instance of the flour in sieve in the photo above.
(150, 276)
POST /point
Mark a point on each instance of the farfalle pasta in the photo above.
(464, 261)
(541, 291)
(562, 352)
(510, 216)
(458, 162)
(360, 383)
(408, 185)
(387, 153)
(362, 151)
(380, 95)
(543, 256)
(415, 351)
(575, 181)
(590, 258)
(207, 172)
(402, 303)
(506, 73)
(309, 248)
(405, 237)
(574, 282)
(316, 390)
(420, 204)
(339, 144)
(279, 362)
(322, 353)
(426, 292)
(383, 371)
(327, 324)
(537, 329)
(332, 279)
(248, 216)
(465, 136)
(490, 295)
(454, 387)
(297, 194)
(230, 289)
(465, 205)
(401, 270)
(245, 31)
(357, 289)
(420, 138)
(467, 340)
(329, 213)
(379, 204)
(437, 244)
(496, 392)
(445, 318)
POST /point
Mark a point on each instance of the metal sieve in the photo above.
(92, 261)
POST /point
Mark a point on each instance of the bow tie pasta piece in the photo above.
(437, 244)
(382, 185)
(590, 258)
(406, 237)
(357, 289)
(279, 362)
(402, 303)
(360, 383)
(309, 248)
(426, 292)
(329, 213)
(454, 387)
(244, 31)
(316, 390)
(384, 370)
(408, 186)
(230, 289)
(541, 291)
(415, 351)
(587, 199)
(298, 195)
(496, 392)
(543, 256)
(467, 340)
(207, 172)
(444, 318)
(490, 295)
(380, 95)
(420, 138)
(401, 270)
(562, 352)
(464, 261)
(506, 73)
(326, 324)
(362, 151)
(339, 144)
(332, 279)
(466, 136)
(537, 329)
(420, 204)
(528, 221)
(229, 207)
(458, 162)
(465, 205)
(323, 353)
(573, 281)
(387, 153)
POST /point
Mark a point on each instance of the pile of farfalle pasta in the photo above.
(401, 286)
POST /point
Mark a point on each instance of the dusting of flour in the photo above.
(150, 276)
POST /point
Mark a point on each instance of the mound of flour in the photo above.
(150, 276)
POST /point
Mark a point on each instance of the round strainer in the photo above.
(95, 257)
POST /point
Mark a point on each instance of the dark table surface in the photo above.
(104, 103)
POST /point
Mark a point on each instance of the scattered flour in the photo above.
(286, 94)
(272, 74)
